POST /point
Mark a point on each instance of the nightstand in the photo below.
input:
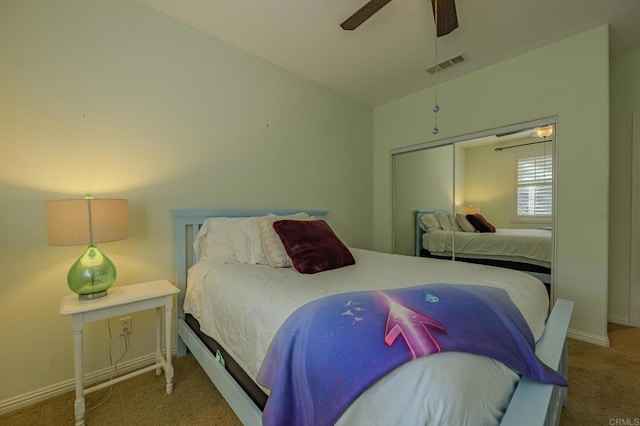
(121, 301)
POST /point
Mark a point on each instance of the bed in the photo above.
(527, 250)
(234, 373)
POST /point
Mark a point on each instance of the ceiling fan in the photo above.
(447, 19)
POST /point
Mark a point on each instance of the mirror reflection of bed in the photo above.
(523, 249)
(507, 179)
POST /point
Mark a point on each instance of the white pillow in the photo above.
(274, 252)
(246, 241)
(463, 223)
(236, 238)
(212, 240)
(429, 222)
(446, 221)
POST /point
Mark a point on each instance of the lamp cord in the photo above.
(114, 369)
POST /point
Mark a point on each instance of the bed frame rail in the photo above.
(552, 350)
(244, 407)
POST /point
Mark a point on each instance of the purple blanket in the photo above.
(331, 350)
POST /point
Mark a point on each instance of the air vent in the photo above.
(447, 63)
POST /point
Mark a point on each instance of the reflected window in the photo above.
(534, 187)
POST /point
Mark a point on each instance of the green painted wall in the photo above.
(113, 98)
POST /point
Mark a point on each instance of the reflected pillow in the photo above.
(463, 223)
(429, 222)
(312, 245)
(480, 223)
(446, 221)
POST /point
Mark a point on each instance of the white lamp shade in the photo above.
(86, 221)
(470, 210)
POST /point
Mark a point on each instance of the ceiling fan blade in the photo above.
(364, 13)
(447, 19)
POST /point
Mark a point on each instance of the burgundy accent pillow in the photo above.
(312, 245)
(480, 223)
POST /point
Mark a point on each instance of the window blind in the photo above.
(535, 181)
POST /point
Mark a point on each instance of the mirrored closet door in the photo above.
(485, 200)
(421, 179)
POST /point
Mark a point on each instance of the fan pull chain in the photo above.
(436, 107)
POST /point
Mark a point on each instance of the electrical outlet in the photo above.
(125, 326)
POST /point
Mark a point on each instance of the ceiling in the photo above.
(386, 57)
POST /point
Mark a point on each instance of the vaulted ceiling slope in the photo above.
(385, 58)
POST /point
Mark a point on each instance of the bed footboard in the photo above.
(532, 404)
(536, 403)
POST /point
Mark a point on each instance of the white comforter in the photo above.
(526, 243)
(242, 306)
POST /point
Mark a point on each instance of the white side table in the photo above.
(121, 301)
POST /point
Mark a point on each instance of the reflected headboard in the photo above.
(418, 230)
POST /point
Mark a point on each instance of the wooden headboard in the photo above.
(188, 223)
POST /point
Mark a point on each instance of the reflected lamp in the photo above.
(470, 210)
(88, 222)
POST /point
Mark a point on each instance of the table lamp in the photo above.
(88, 221)
(470, 210)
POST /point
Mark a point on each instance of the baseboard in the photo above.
(589, 338)
(56, 389)
(620, 321)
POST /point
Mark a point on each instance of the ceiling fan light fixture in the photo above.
(543, 131)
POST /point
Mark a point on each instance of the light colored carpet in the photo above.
(141, 400)
(604, 383)
(604, 389)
